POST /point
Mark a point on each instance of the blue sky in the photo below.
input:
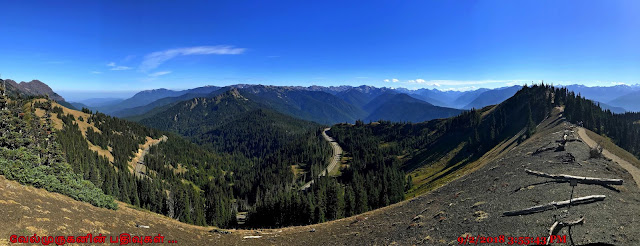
(83, 47)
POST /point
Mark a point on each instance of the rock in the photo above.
(142, 226)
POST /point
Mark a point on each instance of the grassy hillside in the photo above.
(317, 106)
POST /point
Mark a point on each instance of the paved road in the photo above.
(335, 160)
(633, 170)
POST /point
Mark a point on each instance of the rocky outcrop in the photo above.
(32, 88)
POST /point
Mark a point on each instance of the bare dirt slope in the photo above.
(472, 204)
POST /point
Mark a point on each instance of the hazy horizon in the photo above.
(81, 95)
(133, 46)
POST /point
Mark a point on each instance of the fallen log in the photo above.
(557, 226)
(552, 205)
(579, 179)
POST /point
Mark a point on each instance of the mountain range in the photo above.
(333, 104)
(325, 105)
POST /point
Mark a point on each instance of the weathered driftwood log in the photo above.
(552, 205)
(557, 226)
(579, 179)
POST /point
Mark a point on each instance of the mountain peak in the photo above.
(231, 93)
(33, 88)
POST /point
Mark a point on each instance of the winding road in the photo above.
(335, 160)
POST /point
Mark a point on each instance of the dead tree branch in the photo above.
(552, 205)
(557, 226)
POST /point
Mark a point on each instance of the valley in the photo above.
(238, 166)
(472, 204)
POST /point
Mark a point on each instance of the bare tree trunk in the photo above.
(579, 179)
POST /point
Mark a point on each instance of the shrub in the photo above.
(596, 152)
(66, 183)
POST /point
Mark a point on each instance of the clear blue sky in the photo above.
(133, 45)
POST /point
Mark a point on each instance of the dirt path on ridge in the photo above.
(633, 170)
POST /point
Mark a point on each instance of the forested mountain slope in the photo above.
(160, 103)
(494, 96)
(630, 101)
(31, 154)
(435, 151)
(181, 177)
(470, 202)
(317, 106)
(231, 123)
(360, 96)
(404, 108)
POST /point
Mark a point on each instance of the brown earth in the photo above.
(470, 205)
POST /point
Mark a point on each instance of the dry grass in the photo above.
(424, 178)
(181, 169)
(61, 215)
(101, 151)
(297, 171)
(40, 112)
(83, 125)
